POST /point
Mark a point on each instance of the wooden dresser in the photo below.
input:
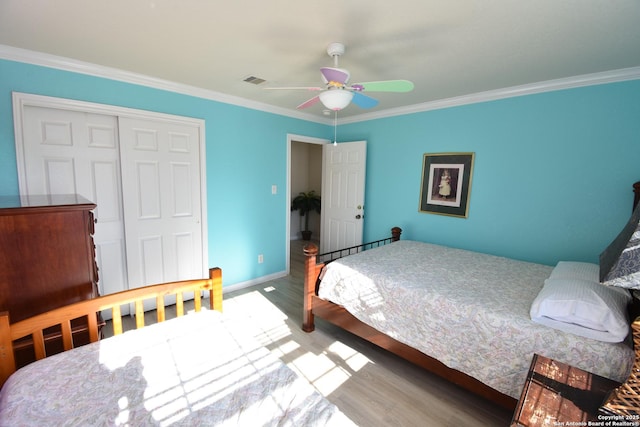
(47, 255)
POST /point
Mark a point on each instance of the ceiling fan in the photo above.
(337, 93)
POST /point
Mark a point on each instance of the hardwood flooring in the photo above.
(370, 385)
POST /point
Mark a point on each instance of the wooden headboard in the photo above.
(61, 317)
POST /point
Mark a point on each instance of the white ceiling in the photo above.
(448, 48)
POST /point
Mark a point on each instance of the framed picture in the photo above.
(446, 183)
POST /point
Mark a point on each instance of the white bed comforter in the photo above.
(193, 371)
(466, 309)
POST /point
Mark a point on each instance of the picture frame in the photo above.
(446, 183)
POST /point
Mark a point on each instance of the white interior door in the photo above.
(161, 166)
(343, 181)
(71, 152)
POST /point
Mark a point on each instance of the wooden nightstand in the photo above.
(556, 394)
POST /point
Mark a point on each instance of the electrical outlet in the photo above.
(260, 259)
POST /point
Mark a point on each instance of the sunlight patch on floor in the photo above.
(273, 335)
(355, 360)
(327, 371)
(285, 348)
(320, 371)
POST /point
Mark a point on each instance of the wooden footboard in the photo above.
(34, 327)
(337, 315)
(314, 264)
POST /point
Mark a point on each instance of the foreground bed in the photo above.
(196, 369)
(461, 314)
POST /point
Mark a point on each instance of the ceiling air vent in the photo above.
(254, 80)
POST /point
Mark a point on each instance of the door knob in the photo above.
(358, 216)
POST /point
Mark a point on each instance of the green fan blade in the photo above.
(387, 86)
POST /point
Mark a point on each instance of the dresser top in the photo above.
(44, 201)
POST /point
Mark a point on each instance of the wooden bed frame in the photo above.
(333, 313)
(34, 327)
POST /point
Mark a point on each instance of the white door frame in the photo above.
(22, 100)
(290, 139)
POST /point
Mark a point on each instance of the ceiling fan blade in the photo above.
(364, 101)
(314, 88)
(309, 102)
(385, 86)
(335, 75)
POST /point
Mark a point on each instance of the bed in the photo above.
(198, 368)
(463, 315)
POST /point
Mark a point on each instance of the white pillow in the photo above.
(582, 271)
(576, 270)
(581, 306)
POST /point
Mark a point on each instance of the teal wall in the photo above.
(552, 177)
(245, 155)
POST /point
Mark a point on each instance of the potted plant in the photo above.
(306, 203)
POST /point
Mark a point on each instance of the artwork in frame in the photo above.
(446, 183)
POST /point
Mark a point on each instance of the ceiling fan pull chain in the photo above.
(335, 128)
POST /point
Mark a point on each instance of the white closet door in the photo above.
(67, 152)
(143, 170)
(162, 197)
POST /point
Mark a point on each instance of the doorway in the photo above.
(304, 173)
(338, 172)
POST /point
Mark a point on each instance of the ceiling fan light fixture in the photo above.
(337, 99)
(337, 93)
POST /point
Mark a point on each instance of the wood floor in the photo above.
(371, 386)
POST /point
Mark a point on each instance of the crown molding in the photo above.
(612, 76)
(72, 65)
(66, 64)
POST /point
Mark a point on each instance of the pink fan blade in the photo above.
(308, 103)
(385, 86)
(335, 75)
(364, 101)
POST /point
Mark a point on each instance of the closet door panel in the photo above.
(147, 183)
(142, 169)
(59, 176)
(161, 176)
(74, 152)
